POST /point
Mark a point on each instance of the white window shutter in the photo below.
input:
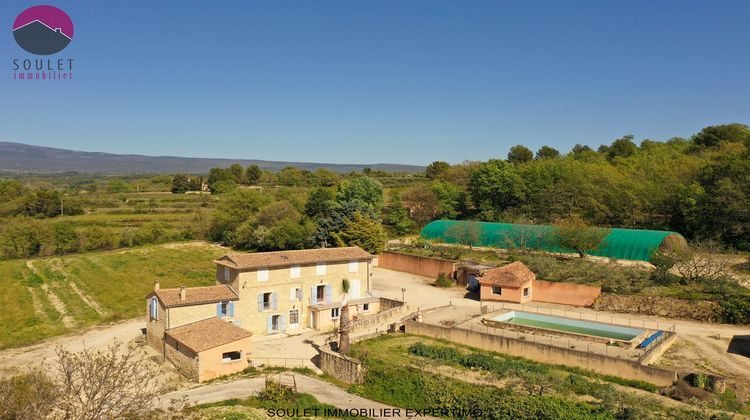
(354, 289)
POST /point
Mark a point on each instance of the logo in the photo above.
(43, 30)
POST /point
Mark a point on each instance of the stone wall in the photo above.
(186, 364)
(397, 310)
(422, 266)
(701, 310)
(343, 368)
(546, 354)
(564, 293)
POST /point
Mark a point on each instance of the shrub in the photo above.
(443, 281)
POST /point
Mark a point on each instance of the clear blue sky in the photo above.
(379, 81)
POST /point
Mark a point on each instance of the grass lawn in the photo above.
(93, 288)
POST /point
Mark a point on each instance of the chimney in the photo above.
(58, 30)
(183, 291)
(156, 285)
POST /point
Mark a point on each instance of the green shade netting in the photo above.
(626, 244)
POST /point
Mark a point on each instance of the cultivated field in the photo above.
(51, 296)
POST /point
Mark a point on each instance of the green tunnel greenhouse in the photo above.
(625, 244)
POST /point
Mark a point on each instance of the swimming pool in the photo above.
(568, 325)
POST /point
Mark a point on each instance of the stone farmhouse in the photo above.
(205, 331)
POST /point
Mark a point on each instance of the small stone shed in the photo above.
(207, 349)
(510, 283)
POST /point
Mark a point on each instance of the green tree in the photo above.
(396, 216)
(622, 147)
(364, 232)
(723, 200)
(317, 201)
(716, 135)
(580, 149)
(495, 186)
(117, 185)
(223, 187)
(292, 177)
(547, 152)
(422, 203)
(238, 174)
(520, 154)
(575, 234)
(437, 169)
(96, 238)
(65, 238)
(234, 209)
(325, 177)
(180, 184)
(253, 174)
(366, 189)
(25, 238)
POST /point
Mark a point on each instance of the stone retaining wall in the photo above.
(701, 310)
(344, 368)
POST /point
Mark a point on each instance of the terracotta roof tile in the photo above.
(287, 258)
(207, 334)
(195, 295)
(514, 274)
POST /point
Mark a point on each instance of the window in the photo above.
(226, 274)
(295, 293)
(365, 307)
(267, 300)
(354, 289)
(320, 269)
(223, 309)
(320, 293)
(274, 324)
(231, 356)
(497, 290)
(353, 266)
(262, 274)
(334, 313)
(525, 291)
(154, 309)
(294, 317)
(294, 272)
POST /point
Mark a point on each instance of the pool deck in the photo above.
(550, 337)
(489, 320)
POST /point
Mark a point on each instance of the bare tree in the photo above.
(520, 237)
(704, 260)
(464, 233)
(28, 396)
(575, 234)
(96, 384)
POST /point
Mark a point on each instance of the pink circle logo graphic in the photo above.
(43, 30)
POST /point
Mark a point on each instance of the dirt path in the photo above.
(56, 264)
(53, 298)
(13, 361)
(323, 391)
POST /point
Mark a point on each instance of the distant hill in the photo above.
(18, 157)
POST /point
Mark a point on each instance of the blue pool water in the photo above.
(578, 326)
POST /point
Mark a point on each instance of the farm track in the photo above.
(55, 300)
(56, 265)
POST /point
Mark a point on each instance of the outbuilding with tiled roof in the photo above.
(208, 348)
(509, 283)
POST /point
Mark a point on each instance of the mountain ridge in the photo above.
(21, 157)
